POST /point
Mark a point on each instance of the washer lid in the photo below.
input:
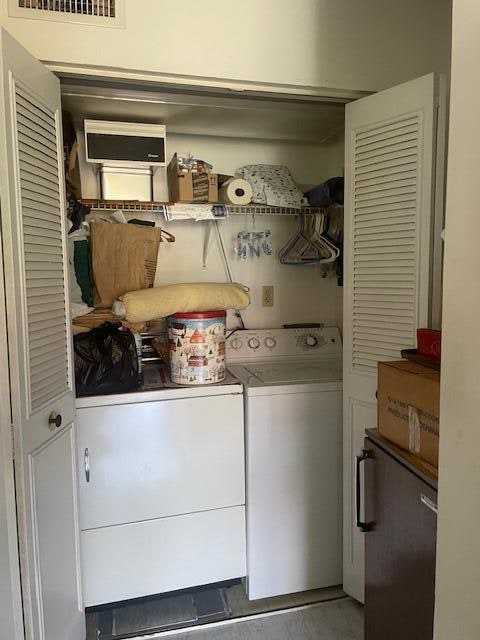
(288, 372)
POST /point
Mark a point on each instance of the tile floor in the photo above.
(337, 620)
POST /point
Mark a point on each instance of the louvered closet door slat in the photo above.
(39, 129)
(373, 263)
(46, 369)
(44, 191)
(31, 146)
(47, 229)
(34, 209)
(381, 237)
(34, 158)
(36, 170)
(403, 178)
(43, 250)
(363, 251)
(397, 205)
(39, 321)
(378, 336)
(34, 197)
(36, 111)
(39, 178)
(47, 389)
(388, 223)
(392, 159)
(38, 269)
(34, 132)
(49, 338)
(36, 125)
(379, 299)
(404, 162)
(43, 242)
(387, 152)
(390, 137)
(43, 257)
(45, 352)
(367, 194)
(384, 129)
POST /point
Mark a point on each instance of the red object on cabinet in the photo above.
(429, 343)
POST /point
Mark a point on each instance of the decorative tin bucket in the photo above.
(197, 347)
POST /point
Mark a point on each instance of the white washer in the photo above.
(293, 411)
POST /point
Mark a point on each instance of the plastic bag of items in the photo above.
(328, 193)
(106, 361)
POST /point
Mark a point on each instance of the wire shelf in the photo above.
(125, 205)
(262, 210)
(251, 209)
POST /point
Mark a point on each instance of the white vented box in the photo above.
(132, 144)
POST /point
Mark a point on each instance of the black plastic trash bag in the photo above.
(105, 361)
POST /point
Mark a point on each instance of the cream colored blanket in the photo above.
(160, 302)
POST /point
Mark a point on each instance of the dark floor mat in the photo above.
(157, 614)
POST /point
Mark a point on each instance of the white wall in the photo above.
(457, 611)
(343, 44)
(301, 294)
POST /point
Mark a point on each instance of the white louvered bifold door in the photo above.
(47, 337)
(391, 166)
(33, 233)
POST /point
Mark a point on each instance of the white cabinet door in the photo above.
(35, 271)
(391, 203)
(294, 493)
(158, 556)
(159, 459)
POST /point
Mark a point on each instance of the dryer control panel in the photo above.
(265, 344)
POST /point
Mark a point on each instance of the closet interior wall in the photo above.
(301, 293)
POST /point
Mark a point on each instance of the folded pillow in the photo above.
(160, 302)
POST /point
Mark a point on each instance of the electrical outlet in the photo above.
(267, 295)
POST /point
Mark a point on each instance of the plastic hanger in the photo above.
(308, 246)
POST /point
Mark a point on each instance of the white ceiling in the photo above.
(304, 120)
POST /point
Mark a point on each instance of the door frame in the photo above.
(11, 605)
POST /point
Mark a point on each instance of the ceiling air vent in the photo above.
(105, 12)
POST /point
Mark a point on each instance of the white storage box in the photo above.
(126, 183)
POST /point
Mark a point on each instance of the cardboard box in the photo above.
(189, 186)
(408, 407)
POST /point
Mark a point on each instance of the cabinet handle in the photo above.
(86, 458)
(429, 503)
(365, 455)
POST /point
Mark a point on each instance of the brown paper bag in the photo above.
(124, 258)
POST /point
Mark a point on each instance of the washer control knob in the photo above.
(270, 343)
(311, 341)
(236, 343)
(254, 343)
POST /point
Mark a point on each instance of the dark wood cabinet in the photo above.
(400, 511)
